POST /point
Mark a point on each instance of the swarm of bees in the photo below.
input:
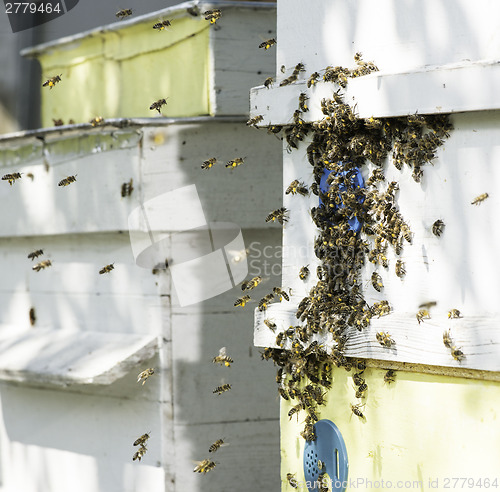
(158, 104)
(52, 81)
(212, 15)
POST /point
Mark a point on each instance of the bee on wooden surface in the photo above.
(140, 453)
(448, 342)
(297, 187)
(127, 188)
(204, 466)
(251, 284)
(32, 316)
(52, 81)
(302, 102)
(221, 389)
(437, 227)
(223, 359)
(160, 26)
(270, 324)
(242, 301)
(256, 119)
(264, 302)
(422, 314)
(268, 82)
(144, 375)
(385, 339)
(142, 440)
(304, 273)
(42, 265)
(479, 199)
(107, 268)
(280, 214)
(291, 480)
(123, 13)
(158, 104)
(280, 293)
(390, 376)
(35, 254)
(212, 15)
(457, 354)
(11, 178)
(268, 43)
(216, 445)
(406, 232)
(356, 410)
(97, 121)
(312, 79)
(377, 283)
(235, 162)
(454, 313)
(400, 269)
(67, 181)
(209, 163)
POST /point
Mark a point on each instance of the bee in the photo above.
(437, 227)
(42, 265)
(268, 82)
(377, 282)
(291, 480)
(158, 104)
(282, 392)
(223, 359)
(274, 129)
(390, 376)
(251, 284)
(107, 268)
(385, 339)
(297, 187)
(355, 409)
(241, 301)
(405, 230)
(35, 254)
(302, 102)
(270, 324)
(454, 313)
(140, 453)
(428, 304)
(281, 294)
(304, 273)
(11, 178)
(263, 303)
(312, 79)
(204, 466)
(216, 445)
(98, 120)
(448, 342)
(209, 163)
(144, 375)
(256, 119)
(294, 410)
(400, 269)
(194, 11)
(160, 26)
(32, 316)
(280, 214)
(422, 314)
(123, 13)
(127, 188)
(479, 199)
(222, 389)
(357, 379)
(235, 162)
(58, 122)
(361, 390)
(267, 44)
(457, 354)
(67, 181)
(52, 81)
(212, 15)
(142, 440)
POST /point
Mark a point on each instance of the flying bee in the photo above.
(294, 410)
(98, 120)
(107, 268)
(356, 410)
(127, 188)
(11, 178)
(280, 214)
(123, 13)
(142, 440)
(437, 227)
(479, 199)
(223, 359)
(204, 466)
(241, 301)
(222, 389)
(58, 122)
(422, 314)
(212, 15)
(268, 43)
(209, 163)
(235, 162)
(302, 102)
(448, 342)
(454, 313)
(457, 354)
(35, 254)
(216, 445)
(160, 26)
(400, 269)
(144, 375)
(268, 82)
(428, 304)
(297, 187)
(42, 265)
(377, 282)
(158, 104)
(67, 181)
(385, 339)
(263, 303)
(390, 376)
(52, 81)
(291, 480)
(280, 293)
(304, 273)
(140, 453)
(274, 129)
(32, 316)
(256, 119)
(251, 284)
